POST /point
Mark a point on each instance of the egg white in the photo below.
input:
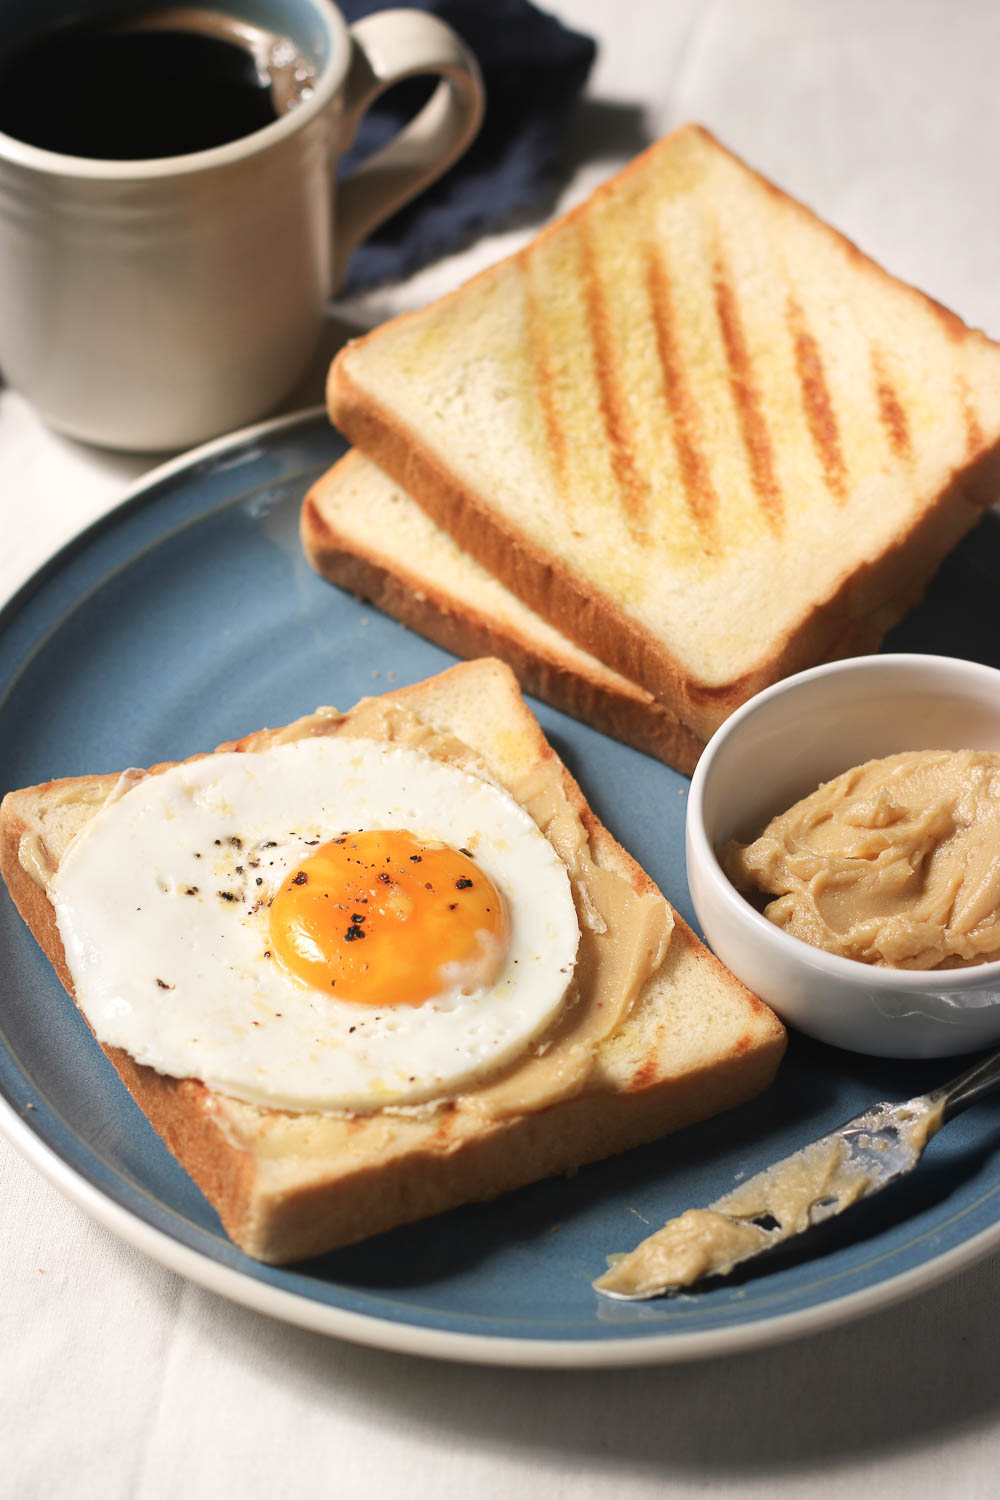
(162, 906)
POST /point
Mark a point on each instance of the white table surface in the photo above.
(119, 1379)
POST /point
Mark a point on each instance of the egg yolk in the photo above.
(382, 918)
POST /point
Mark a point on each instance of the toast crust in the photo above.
(606, 701)
(853, 610)
(287, 1188)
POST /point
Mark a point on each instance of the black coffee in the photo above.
(127, 92)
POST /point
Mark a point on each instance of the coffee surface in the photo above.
(123, 92)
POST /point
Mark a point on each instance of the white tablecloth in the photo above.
(118, 1379)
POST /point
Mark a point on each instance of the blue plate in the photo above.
(188, 616)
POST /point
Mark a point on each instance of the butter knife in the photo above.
(810, 1186)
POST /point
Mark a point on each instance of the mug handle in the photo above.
(386, 48)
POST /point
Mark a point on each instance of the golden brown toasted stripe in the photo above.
(540, 344)
(890, 408)
(816, 402)
(611, 388)
(747, 398)
(682, 408)
(974, 440)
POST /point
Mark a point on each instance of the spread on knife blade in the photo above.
(784, 1200)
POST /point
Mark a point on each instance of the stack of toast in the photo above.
(688, 441)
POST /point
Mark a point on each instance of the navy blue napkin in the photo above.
(534, 69)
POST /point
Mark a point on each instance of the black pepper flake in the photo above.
(357, 916)
(301, 878)
(164, 985)
(227, 895)
(239, 869)
(267, 953)
(463, 883)
(466, 852)
(271, 844)
(197, 856)
(354, 932)
(218, 841)
(192, 890)
(350, 1029)
(385, 879)
(453, 906)
(236, 843)
(416, 859)
(260, 880)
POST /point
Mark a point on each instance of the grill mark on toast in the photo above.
(645, 1075)
(681, 406)
(890, 408)
(746, 397)
(956, 331)
(974, 440)
(540, 348)
(816, 403)
(611, 395)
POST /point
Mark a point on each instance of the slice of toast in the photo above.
(288, 1186)
(363, 532)
(692, 426)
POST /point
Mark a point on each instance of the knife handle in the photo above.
(982, 1079)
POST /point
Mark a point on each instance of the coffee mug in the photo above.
(151, 304)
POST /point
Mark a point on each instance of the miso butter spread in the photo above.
(896, 862)
(624, 935)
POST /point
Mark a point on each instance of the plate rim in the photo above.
(371, 1331)
(368, 1329)
(139, 492)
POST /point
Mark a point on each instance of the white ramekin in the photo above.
(776, 749)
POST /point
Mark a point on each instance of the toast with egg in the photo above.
(690, 425)
(688, 1042)
(364, 533)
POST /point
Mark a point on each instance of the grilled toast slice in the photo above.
(363, 532)
(690, 425)
(288, 1186)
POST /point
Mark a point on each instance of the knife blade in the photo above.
(821, 1180)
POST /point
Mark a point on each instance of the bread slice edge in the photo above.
(593, 694)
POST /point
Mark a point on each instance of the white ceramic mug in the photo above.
(148, 305)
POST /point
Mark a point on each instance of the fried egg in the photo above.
(331, 924)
